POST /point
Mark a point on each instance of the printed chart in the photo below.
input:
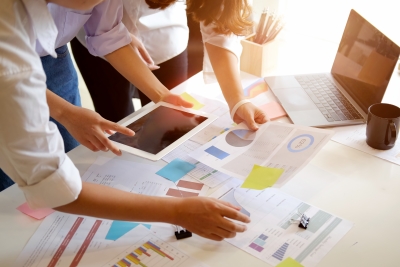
(274, 145)
(253, 90)
(140, 178)
(274, 235)
(240, 137)
(65, 240)
(150, 252)
(202, 172)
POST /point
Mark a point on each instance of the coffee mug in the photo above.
(382, 125)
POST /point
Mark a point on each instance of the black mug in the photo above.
(383, 125)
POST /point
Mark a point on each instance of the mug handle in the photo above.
(391, 134)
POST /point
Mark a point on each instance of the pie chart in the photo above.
(240, 137)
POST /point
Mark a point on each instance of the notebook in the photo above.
(360, 74)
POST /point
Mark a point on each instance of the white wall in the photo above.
(326, 18)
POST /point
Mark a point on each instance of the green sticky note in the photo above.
(289, 262)
(262, 177)
(196, 104)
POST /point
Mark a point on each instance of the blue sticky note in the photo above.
(120, 228)
(176, 169)
(216, 152)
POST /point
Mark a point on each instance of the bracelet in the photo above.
(238, 104)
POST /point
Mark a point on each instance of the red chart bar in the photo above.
(177, 193)
(86, 243)
(65, 242)
(190, 185)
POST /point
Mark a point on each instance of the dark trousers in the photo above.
(110, 91)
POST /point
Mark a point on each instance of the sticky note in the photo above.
(196, 104)
(274, 110)
(262, 177)
(120, 228)
(176, 169)
(289, 262)
(38, 214)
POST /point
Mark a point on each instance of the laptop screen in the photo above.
(364, 61)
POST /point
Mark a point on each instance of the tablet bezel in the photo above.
(144, 111)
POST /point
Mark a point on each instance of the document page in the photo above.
(355, 137)
(202, 172)
(146, 249)
(66, 240)
(140, 178)
(274, 233)
(275, 145)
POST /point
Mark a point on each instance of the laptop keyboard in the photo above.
(330, 101)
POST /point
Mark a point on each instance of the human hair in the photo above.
(228, 16)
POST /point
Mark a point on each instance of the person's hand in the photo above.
(88, 128)
(176, 100)
(138, 46)
(251, 115)
(210, 218)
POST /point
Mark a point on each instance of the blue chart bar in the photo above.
(280, 253)
(216, 152)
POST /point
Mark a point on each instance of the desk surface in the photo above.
(358, 187)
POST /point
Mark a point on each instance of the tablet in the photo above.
(161, 128)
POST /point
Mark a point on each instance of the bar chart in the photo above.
(151, 251)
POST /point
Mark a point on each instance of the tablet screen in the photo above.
(158, 129)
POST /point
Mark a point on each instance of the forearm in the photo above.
(58, 106)
(109, 203)
(127, 62)
(225, 67)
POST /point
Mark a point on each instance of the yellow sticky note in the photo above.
(196, 104)
(262, 177)
(289, 262)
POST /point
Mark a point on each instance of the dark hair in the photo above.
(229, 16)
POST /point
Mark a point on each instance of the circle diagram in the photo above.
(240, 137)
(300, 143)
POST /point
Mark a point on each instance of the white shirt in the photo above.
(229, 42)
(31, 147)
(103, 26)
(165, 33)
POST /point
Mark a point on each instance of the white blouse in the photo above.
(31, 147)
(165, 33)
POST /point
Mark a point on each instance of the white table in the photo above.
(361, 188)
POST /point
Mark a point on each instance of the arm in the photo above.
(107, 36)
(139, 48)
(86, 126)
(127, 62)
(204, 216)
(225, 64)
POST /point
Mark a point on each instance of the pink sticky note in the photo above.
(274, 110)
(38, 214)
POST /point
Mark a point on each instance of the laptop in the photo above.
(360, 74)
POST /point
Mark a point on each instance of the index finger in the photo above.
(118, 128)
(233, 214)
(185, 103)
